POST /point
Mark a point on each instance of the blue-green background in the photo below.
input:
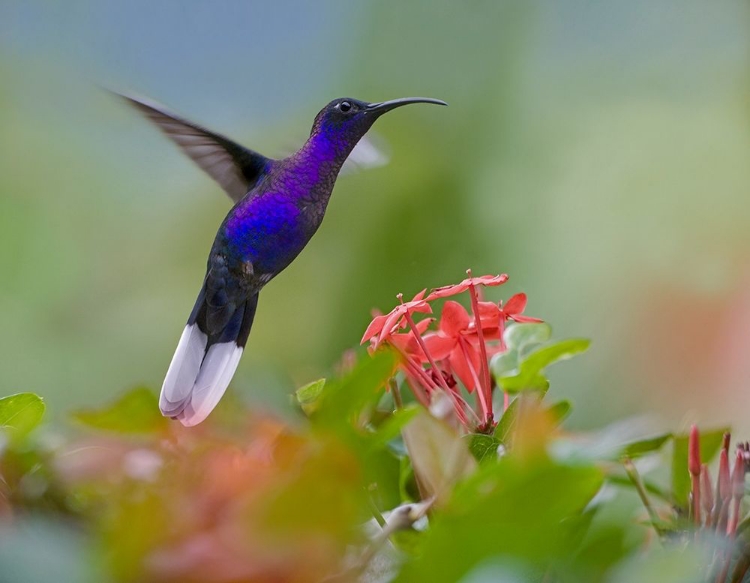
(599, 152)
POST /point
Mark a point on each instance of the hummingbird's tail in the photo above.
(204, 362)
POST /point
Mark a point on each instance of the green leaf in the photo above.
(505, 425)
(529, 376)
(342, 400)
(504, 364)
(609, 443)
(644, 446)
(710, 442)
(560, 411)
(483, 447)
(20, 413)
(308, 395)
(392, 427)
(520, 336)
(137, 411)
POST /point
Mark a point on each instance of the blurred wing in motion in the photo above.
(236, 168)
(370, 152)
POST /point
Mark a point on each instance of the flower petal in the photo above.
(452, 290)
(461, 369)
(438, 345)
(454, 319)
(420, 306)
(461, 366)
(489, 280)
(489, 314)
(487, 333)
(420, 295)
(447, 291)
(515, 305)
(391, 323)
(525, 319)
(407, 344)
(374, 328)
(423, 325)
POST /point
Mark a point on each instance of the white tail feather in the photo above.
(183, 370)
(212, 380)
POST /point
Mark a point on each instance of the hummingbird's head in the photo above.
(344, 121)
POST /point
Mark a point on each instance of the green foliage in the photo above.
(391, 428)
(20, 414)
(560, 411)
(483, 447)
(308, 395)
(619, 440)
(137, 411)
(521, 337)
(529, 353)
(646, 446)
(511, 503)
(507, 421)
(517, 504)
(338, 403)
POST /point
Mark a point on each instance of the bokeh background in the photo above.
(599, 152)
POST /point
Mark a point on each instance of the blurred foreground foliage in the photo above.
(365, 485)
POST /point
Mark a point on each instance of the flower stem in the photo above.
(485, 385)
(396, 392)
(486, 408)
(635, 477)
(694, 468)
(419, 373)
(423, 346)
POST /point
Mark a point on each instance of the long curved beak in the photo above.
(384, 106)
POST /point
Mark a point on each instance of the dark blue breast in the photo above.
(268, 230)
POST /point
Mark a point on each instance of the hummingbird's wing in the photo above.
(236, 168)
(370, 152)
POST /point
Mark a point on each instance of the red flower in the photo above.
(407, 343)
(514, 308)
(454, 342)
(385, 325)
(452, 290)
(494, 316)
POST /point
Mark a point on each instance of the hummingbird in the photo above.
(278, 206)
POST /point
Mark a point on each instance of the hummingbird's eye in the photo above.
(345, 107)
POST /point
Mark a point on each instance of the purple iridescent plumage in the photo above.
(272, 226)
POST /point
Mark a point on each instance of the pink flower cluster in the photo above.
(457, 348)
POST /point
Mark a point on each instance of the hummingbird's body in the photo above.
(279, 206)
(274, 221)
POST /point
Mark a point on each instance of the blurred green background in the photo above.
(597, 152)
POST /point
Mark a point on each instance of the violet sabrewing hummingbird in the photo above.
(279, 205)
